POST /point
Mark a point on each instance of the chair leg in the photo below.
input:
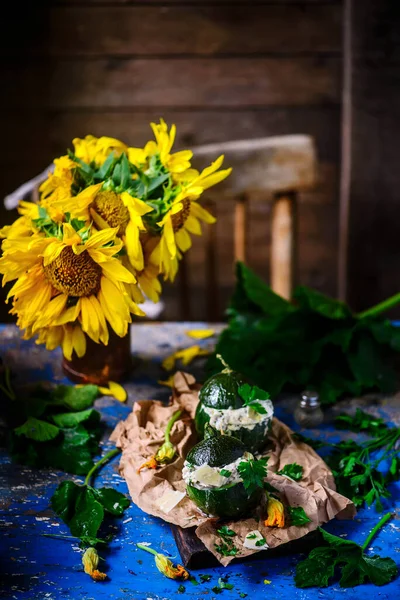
(212, 290)
(240, 229)
(283, 229)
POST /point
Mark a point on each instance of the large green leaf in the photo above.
(38, 430)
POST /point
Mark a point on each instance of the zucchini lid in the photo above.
(215, 450)
(221, 391)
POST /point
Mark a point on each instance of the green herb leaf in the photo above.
(260, 542)
(270, 488)
(361, 421)
(113, 501)
(76, 399)
(82, 507)
(298, 516)
(317, 343)
(38, 430)
(251, 396)
(292, 470)
(71, 419)
(222, 585)
(226, 549)
(319, 568)
(205, 578)
(225, 532)
(225, 473)
(181, 589)
(253, 473)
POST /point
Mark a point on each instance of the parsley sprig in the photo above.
(292, 470)
(358, 468)
(355, 566)
(253, 472)
(251, 395)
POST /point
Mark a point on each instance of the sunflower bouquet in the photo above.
(110, 221)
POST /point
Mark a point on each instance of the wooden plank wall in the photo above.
(374, 248)
(219, 70)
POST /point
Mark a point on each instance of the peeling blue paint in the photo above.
(36, 567)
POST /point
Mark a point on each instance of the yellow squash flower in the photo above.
(276, 513)
(165, 566)
(90, 561)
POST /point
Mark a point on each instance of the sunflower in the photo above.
(70, 280)
(95, 150)
(175, 163)
(184, 216)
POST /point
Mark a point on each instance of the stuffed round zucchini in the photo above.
(212, 472)
(233, 406)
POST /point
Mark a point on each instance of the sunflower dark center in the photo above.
(74, 274)
(112, 210)
(180, 218)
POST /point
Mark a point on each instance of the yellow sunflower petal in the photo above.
(167, 382)
(200, 334)
(114, 389)
(78, 341)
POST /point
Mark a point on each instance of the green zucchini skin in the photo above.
(254, 439)
(216, 450)
(221, 390)
(229, 502)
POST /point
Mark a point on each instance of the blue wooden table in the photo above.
(34, 566)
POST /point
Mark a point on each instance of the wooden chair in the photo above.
(277, 167)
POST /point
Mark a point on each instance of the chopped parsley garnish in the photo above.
(226, 549)
(243, 595)
(261, 542)
(225, 532)
(225, 473)
(253, 473)
(181, 589)
(251, 395)
(293, 471)
(205, 578)
(298, 516)
(222, 585)
(251, 536)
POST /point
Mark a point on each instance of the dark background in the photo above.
(222, 71)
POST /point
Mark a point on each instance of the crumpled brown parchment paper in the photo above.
(141, 434)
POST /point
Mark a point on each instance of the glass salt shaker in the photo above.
(308, 412)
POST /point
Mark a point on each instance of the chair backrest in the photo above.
(276, 168)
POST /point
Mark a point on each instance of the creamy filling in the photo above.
(206, 477)
(231, 419)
